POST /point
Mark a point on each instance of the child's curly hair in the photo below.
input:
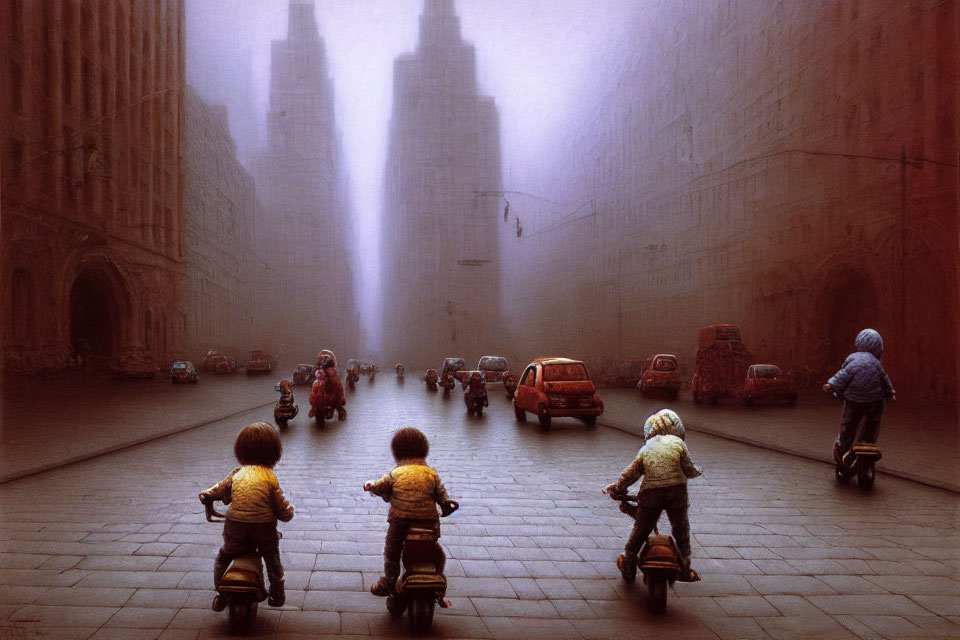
(409, 442)
(258, 443)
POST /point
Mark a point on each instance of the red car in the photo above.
(557, 387)
(766, 381)
(215, 362)
(260, 362)
(661, 372)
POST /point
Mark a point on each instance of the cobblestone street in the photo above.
(117, 546)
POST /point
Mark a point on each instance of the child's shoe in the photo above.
(688, 575)
(628, 569)
(277, 594)
(219, 604)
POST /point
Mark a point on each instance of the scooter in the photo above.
(510, 385)
(475, 403)
(352, 378)
(447, 383)
(400, 371)
(241, 588)
(860, 461)
(422, 585)
(658, 561)
(319, 409)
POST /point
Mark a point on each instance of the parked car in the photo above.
(493, 368)
(722, 361)
(628, 371)
(183, 371)
(766, 381)
(661, 373)
(260, 362)
(215, 362)
(556, 387)
(303, 374)
(135, 362)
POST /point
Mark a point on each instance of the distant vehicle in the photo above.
(662, 373)
(493, 368)
(260, 362)
(628, 371)
(215, 362)
(557, 387)
(766, 381)
(303, 374)
(722, 361)
(135, 362)
(183, 371)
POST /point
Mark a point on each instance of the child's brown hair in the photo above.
(258, 443)
(409, 442)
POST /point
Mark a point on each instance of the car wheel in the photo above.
(520, 413)
(544, 417)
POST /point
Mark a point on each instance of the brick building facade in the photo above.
(789, 167)
(92, 217)
(225, 273)
(301, 179)
(440, 263)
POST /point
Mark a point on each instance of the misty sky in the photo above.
(532, 56)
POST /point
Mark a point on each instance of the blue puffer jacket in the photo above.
(862, 378)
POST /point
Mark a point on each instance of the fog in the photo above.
(532, 58)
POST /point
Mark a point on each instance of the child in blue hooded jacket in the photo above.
(863, 384)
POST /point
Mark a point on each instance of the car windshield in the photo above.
(494, 364)
(766, 372)
(665, 364)
(179, 366)
(566, 372)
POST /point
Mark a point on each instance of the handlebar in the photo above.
(449, 507)
(622, 497)
(210, 511)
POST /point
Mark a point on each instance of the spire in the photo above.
(438, 8)
(439, 23)
(302, 24)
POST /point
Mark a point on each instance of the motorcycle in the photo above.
(422, 585)
(447, 383)
(658, 561)
(352, 378)
(324, 400)
(285, 409)
(430, 378)
(475, 394)
(509, 384)
(400, 371)
(242, 587)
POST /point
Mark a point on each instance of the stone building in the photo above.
(225, 272)
(789, 167)
(92, 217)
(301, 179)
(440, 266)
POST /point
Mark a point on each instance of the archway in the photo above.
(98, 313)
(849, 304)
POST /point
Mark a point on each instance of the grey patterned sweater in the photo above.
(663, 461)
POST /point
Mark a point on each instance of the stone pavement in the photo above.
(116, 547)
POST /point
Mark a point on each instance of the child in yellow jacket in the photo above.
(256, 503)
(413, 490)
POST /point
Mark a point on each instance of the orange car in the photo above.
(557, 387)
(661, 372)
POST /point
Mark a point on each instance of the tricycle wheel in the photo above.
(865, 473)
(843, 476)
(657, 595)
(421, 613)
(520, 413)
(241, 616)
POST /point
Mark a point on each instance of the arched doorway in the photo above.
(99, 312)
(849, 304)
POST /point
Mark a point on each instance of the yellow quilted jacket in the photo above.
(413, 490)
(254, 495)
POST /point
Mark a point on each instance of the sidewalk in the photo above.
(44, 425)
(919, 444)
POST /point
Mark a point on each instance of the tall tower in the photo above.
(301, 179)
(440, 257)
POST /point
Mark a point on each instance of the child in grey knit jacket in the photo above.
(863, 384)
(665, 465)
